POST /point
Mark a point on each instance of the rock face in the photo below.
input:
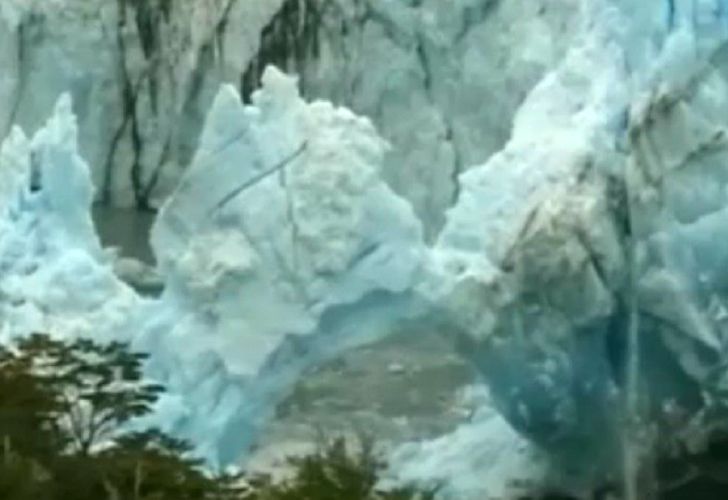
(404, 391)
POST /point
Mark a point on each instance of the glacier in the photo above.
(326, 255)
(418, 70)
(286, 241)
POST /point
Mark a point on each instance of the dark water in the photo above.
(125, 228)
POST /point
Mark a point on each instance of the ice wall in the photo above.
(677, 181)
(53, 275)
(615, 155)
(441, 81)
(142, 76)
(282, 245)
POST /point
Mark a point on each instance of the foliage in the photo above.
(334, 472)
(65, 407)
(21, 478)
(27, 409)
(95, 388)
(153, 465)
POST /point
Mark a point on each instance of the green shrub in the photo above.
(334, 472)
(64, 406)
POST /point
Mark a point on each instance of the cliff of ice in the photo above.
(282, 245)
(441, 81)
(54, 271)
(610, 186)
(142, 76)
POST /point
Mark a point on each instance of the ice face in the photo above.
(602, 168)
(440, 81)
(282, 246)
(53, 272)
(484, 458)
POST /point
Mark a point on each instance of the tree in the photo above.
(152, 465)
(334, 472)
(21, 478)
(27, 410)
(96, 388)
(60, 401)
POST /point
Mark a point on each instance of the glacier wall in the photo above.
(603, 186)
(282, 245)
(142, 76)
(440, 81)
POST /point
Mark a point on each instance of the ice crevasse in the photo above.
(282, 246)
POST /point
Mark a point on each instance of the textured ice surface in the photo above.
(54, 277)
(441, 81)
(142, 80)
(283, 246)
(532, 258)
(482, 459)
(282, 217)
